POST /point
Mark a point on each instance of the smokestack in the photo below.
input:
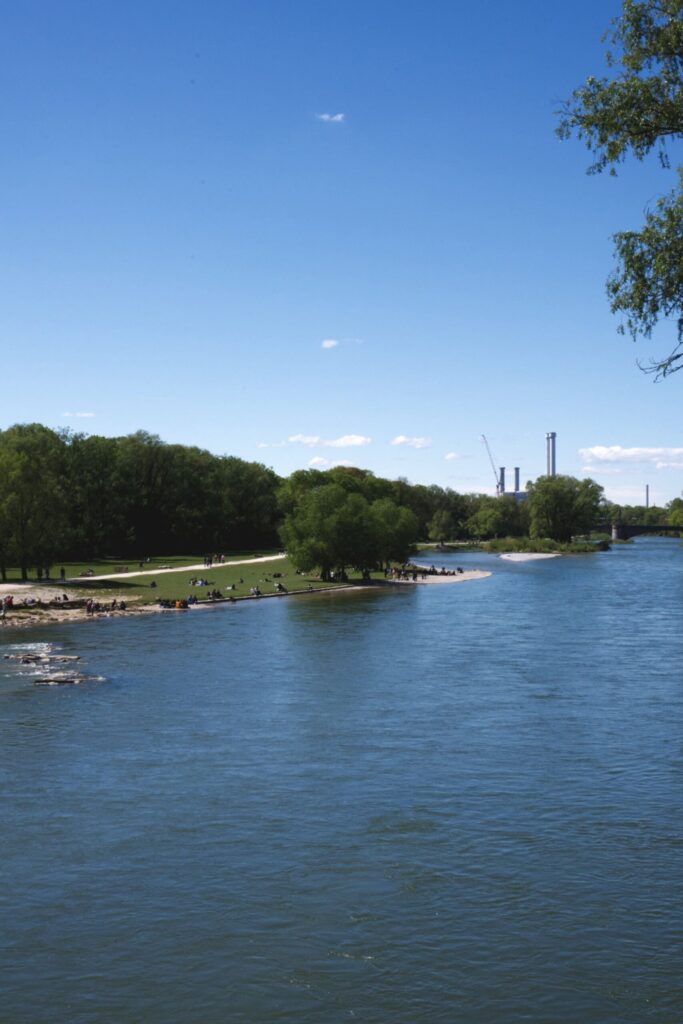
(550, 453)
(501, 480)
(647, 495)
(516, 479)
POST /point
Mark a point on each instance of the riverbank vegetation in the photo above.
(543, 545)
(69, 498)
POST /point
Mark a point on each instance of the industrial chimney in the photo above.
(550, 453)
(501, 480)
(516, 479)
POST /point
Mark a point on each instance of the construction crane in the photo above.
(496, 474)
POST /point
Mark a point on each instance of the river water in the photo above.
(435, 804)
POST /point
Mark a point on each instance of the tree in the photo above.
(560, 507)
(95, 504)
(32, 505)
(637, 110)
(331, 528)
(675, 512)
(395, 531)
(441, 526)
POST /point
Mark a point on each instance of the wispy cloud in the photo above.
(329, 343)
(319, 462)
(603, 469)
(272, 444)
(661, 458)
(346, 441)
(412, 442)
(79, 415)
(331, 118)
(449, 456)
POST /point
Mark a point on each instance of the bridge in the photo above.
(624, 531)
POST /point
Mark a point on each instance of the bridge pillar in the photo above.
(617, 531)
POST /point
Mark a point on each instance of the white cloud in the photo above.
(331, 118)
(79, 415)
(318, 462)
(346, 441)
(449, 456)
(603, 470)
(307, 439)
(349, 441)
(412, 442)
(274, 444)
(329, 343)
(661, 457)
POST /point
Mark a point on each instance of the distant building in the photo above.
(517, 494)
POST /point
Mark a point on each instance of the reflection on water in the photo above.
(456, 803)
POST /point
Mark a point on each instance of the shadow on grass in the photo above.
(109, 584)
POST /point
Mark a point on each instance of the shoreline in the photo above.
(53, 615)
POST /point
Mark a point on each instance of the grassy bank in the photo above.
(113, 566)
(175, 585)
(541, 546)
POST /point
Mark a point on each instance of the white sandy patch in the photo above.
(461, 577)
(528, 556)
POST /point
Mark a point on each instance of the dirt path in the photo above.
(177, 568)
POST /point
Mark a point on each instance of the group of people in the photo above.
(187, 602)
(443, 571)
(211, 560)
(414, 572)
(93, 607)
(405, 573)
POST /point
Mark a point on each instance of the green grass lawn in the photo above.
(102, 566)
(174, 585)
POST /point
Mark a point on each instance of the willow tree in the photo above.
(637, 110)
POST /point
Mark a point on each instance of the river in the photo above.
(435, 804)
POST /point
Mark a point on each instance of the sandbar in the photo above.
(461, 577)
(528, 556)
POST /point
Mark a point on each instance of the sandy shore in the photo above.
(461, 577)
(20, 617)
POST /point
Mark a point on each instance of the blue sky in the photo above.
(183, 231)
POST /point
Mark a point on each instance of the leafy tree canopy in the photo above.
(561, 507)
(331, 528)
(637, 110)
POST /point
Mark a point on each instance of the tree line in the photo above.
(69, 496)
(66, 496)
